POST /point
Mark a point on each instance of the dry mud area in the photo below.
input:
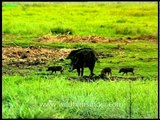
(90, 39)
(31, 55)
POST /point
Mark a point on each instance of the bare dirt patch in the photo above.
(91, 39)
(31, 55)
(71, 39)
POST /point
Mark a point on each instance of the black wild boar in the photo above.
(126, 70)
(106, 70)
(55, 68)
(81, 58)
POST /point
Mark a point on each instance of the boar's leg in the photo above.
(108, 73)
(52, 72)
(91, 70)
(133, 73)
(78, 70)
(82, 71)
(111, 73)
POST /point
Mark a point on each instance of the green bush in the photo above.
(59, 30)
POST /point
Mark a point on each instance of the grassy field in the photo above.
(124, 34)
(103, 19)
(55, 97)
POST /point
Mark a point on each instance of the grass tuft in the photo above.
(59, 30)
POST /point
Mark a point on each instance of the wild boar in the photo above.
(55, 68)
(126, 70)
(106, 70)
(81, 58)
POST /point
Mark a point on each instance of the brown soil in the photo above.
(31, 55)
(91, 39)
(71, 39)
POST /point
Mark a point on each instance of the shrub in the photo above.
(59, 30)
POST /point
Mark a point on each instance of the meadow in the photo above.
(37, 35)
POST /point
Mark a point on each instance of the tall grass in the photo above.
(83, 18)
(57, 97)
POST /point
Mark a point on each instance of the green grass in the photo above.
(94, 19)
(56, 97)
(31, 93)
